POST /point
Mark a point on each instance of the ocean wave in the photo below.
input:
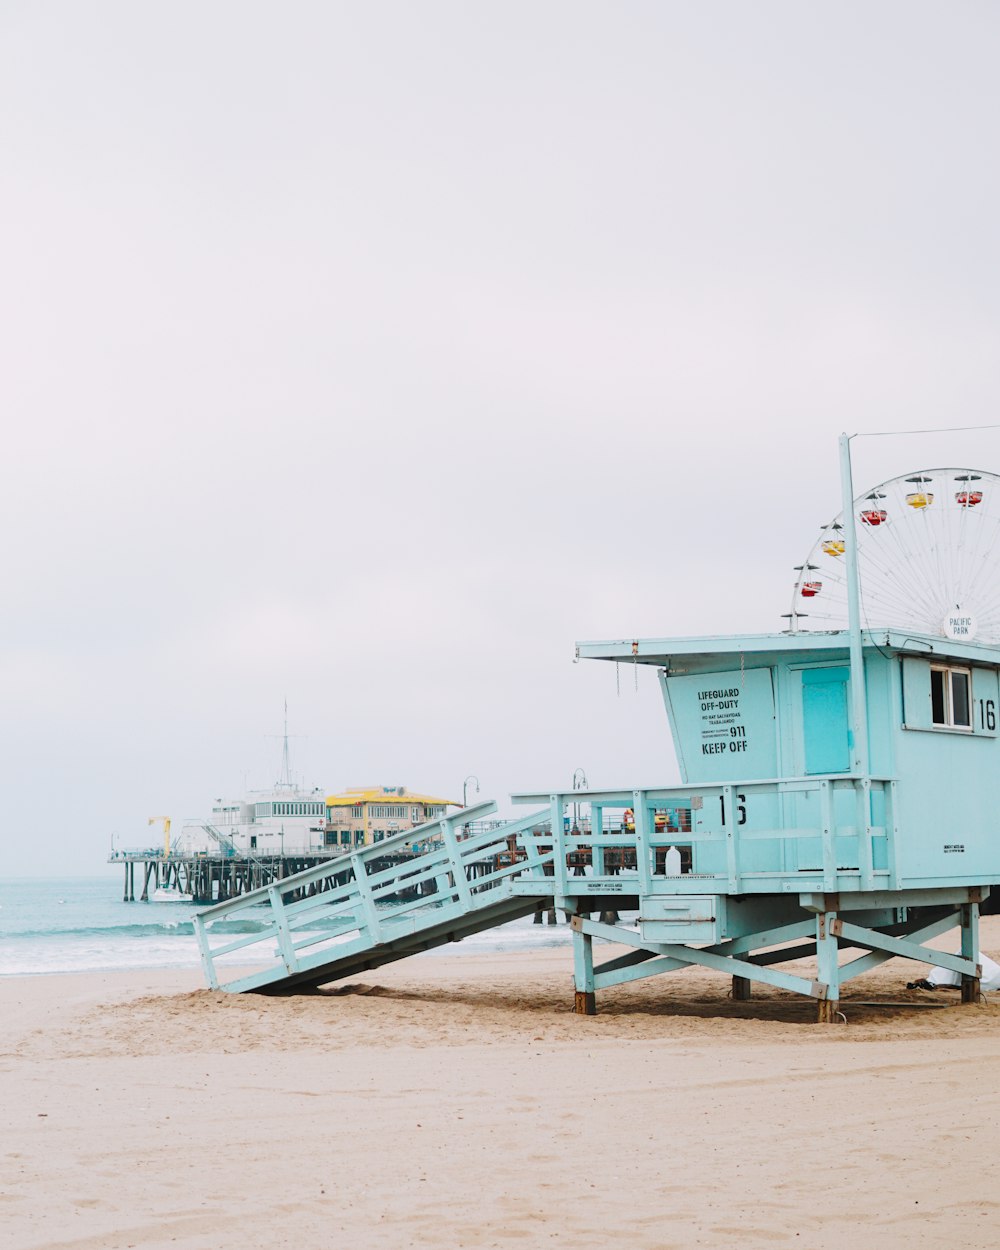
(182, 927)
(238, 926)
(166, 928)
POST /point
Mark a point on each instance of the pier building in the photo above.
(368, 814)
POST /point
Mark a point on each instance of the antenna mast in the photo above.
(286, 773)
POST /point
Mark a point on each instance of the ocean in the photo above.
(80, 924)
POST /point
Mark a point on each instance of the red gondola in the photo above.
(811, 589)
(875, 516)
(969, 498)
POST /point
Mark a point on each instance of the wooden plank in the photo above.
(906, 948)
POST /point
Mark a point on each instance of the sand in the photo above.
(457, 1101)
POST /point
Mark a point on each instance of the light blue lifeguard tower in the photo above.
(839, 793)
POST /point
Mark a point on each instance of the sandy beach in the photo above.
(458, 1101)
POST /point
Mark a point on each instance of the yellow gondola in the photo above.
(920, 499)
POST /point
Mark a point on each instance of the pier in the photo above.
(210, 877)
(205, 876)
(267, 836)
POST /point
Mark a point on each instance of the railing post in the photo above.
(596, 833)
(828, 831)
(460, 882)
(729, 826)
(891, 835)
(863, 824)
(558, 844)
(283, 933)
(366, 898)
(642, 848)
(207, 961)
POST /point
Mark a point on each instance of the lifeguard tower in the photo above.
(784, 839)
(839, 791)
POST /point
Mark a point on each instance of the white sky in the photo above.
(371, 354)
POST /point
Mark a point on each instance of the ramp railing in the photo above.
(318, 920)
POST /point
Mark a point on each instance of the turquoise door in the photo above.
(824, 720)
(826, 747)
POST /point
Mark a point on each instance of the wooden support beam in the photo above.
(742, 989)
(904, 947)
(827, 1010)
(969, 917)
(874, 958)
(670, 956)
(827, 967)
(583, 973)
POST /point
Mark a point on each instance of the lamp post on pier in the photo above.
(579, 783)
(465, 798)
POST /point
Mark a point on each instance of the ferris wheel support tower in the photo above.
(859, 718)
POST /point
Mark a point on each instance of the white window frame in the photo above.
(949, 672)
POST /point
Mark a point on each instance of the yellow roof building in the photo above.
(366, 814)
(385, 794)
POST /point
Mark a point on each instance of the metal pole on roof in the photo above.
(859, 701)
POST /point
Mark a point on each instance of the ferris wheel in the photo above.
(928, 559)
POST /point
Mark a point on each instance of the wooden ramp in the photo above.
(353, 913)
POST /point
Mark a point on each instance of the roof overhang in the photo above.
(665, 652)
